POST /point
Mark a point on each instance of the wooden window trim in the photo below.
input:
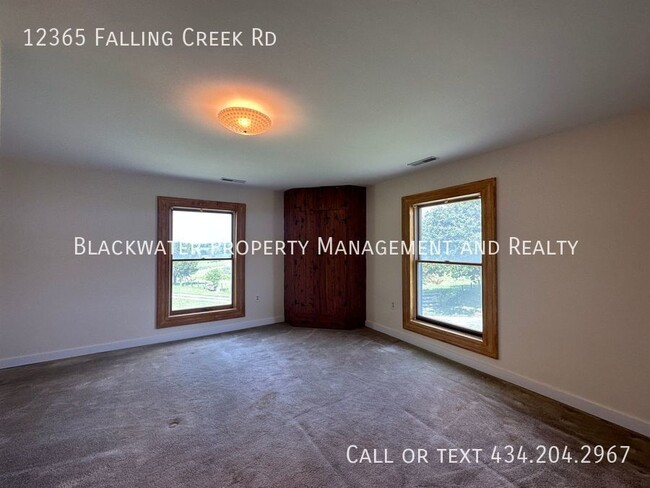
(164, 316)
(488, 343)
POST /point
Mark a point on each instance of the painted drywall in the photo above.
(56, 304)
(577, 326)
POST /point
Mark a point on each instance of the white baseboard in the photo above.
(175, 335)
(606, 413)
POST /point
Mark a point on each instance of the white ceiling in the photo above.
(357, 88)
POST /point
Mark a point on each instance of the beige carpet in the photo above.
(278, 407)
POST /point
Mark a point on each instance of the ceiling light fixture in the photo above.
(244, 121)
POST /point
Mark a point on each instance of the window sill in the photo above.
(199, 317)
(482, 345)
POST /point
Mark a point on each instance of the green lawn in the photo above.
(197, 296)
(451, 299)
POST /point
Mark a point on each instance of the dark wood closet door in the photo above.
(325, 290)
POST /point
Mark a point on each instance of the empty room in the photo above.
(360, 243)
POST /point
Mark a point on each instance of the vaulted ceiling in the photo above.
(356, 89)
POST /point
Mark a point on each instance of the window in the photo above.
(449, 278)
(200, 277)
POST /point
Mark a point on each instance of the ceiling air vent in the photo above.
(232, 180)
(423, 161)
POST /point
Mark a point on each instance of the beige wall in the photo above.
(576, 328)
(53, 300)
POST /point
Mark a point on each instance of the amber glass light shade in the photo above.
(244, 121)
